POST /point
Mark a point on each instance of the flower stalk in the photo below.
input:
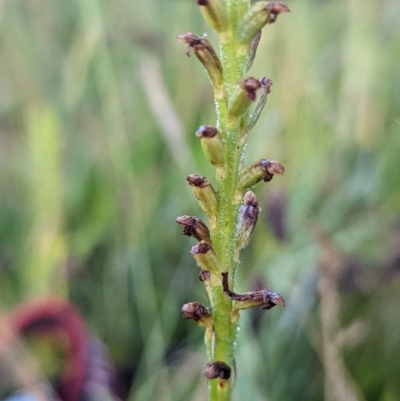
(232, 214)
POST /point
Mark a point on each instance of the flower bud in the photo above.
(207, 56)
(194, 227)
(263, 170)
(212, 145)
(217, 370)
(248, 215)
(205, 256)
(243, 95)
(259, 15)
(198, 313)
(204, 193)
(214, 13)
(255, 109)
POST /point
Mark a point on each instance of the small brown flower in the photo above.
(263, 170)
(276, 8)
(266, 298)
(215, 370)
(243, 95)
(207, 56)
(212, 145)
(194, 227)
(205, 256)
(198, 313)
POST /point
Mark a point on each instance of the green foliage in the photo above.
(109, 169)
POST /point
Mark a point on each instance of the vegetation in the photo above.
(98, 108)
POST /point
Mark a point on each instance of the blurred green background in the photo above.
(98, 109)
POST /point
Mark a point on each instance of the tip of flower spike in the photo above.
(275, 8)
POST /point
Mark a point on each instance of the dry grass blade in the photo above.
(164, 112)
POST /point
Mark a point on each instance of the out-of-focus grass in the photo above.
(98, 106)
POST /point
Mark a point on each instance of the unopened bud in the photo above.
(205, 53)
(198, 313)
(214, 13)
(255, 109)
(212, 145)
(205, 256)
(194, 227)
(263, 170)
(248, 215)
(217, 370)
(243, 95)
(259, 15)
(204, 193)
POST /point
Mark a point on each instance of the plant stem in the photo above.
(224, 236)
(232, 214)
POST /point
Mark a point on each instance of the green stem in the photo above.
(233, 94)
(224, 235)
